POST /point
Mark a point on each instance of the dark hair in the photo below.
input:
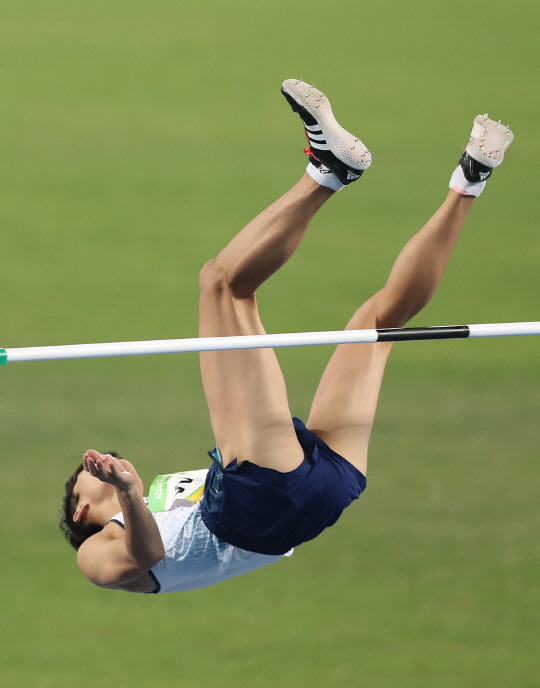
(76, 532)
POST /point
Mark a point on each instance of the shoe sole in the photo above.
(489, 141)
(344, 145)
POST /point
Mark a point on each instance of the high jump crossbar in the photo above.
(266, 341)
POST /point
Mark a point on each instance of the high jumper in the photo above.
(274, 482)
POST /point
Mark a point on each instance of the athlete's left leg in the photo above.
(244, 389)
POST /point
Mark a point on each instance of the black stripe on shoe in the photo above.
(473, 170)
(316, 139)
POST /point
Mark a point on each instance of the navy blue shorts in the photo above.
(263, 510)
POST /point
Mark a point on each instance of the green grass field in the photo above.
(135, 139)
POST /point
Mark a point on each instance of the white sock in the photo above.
(324, 177)
(459, 183)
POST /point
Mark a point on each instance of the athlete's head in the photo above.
(80, 516)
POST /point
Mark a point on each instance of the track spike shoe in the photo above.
(329, 144)
(486, 148)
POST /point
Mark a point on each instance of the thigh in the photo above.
(245, 390)
(344, 406)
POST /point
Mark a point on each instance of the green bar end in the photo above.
(3, 357)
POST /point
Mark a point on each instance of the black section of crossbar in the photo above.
(409, 334)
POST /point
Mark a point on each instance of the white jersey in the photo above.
(194, 557)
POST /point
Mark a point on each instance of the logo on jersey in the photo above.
(176, 489)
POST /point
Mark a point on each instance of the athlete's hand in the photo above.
(108, 469)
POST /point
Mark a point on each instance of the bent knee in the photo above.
(215, 279)
(212, 277)
(378, 313)
(366, 317)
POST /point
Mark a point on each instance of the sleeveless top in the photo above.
(194, 557)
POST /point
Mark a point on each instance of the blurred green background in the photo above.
(135, 139)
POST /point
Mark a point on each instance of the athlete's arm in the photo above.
(115, 556)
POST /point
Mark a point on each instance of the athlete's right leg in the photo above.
(344, 407)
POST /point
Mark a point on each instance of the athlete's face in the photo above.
(97, 501)
(91, 493)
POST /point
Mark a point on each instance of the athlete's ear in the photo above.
(81, 512)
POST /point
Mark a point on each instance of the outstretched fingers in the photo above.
(99, 465)
(108, 469)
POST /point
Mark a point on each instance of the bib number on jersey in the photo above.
(168, 491)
